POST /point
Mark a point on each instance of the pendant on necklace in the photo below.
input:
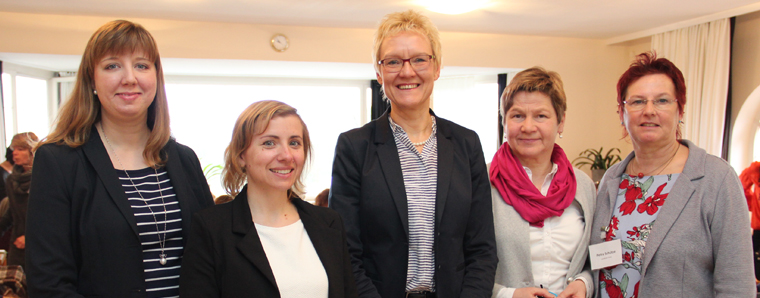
(640, 175)
(162, 259)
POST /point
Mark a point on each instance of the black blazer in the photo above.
(368, 191)
(82, 238)
(224, 256)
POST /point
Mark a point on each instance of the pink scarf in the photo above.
(517, 190)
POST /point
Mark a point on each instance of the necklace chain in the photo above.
(426, 140)
(660, 168)
(161, 240)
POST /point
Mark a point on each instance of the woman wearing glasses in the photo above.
(412, 187)
(684, 205)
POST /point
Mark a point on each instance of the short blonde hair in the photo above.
(536, 79)
(253, 121)
(406, 21)
(82, 110)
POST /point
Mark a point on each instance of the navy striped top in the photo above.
(160, 280)
(420, 171)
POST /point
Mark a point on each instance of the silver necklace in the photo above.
(161, 240)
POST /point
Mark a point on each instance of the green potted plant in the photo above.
(598, 161)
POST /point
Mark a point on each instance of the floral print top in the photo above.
(638, 203)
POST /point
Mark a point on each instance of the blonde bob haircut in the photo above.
(406, 21)
(536, 79)
(253, 121)
(78, 115)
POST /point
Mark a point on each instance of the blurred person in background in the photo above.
(17, 186)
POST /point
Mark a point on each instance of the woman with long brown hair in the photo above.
(113, 193)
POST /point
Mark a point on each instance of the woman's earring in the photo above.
(680, 121)
(95, 92)
(560, 135)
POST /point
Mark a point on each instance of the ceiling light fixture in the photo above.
(453, 7)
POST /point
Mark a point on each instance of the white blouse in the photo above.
(553, 245)
(297, 269)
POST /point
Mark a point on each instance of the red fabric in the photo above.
(749, 177)
(510, 179)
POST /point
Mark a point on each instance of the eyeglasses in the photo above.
(639, 104)
(420, 62)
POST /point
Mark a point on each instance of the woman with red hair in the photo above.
(672, 198)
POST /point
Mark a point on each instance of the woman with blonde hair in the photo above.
(18, 195)
(113, 194)
(411, 186)
(267, 242)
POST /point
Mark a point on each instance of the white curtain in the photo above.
(703, 53)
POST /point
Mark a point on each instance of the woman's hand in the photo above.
(20, 242)
(532, 293)
(576, 289)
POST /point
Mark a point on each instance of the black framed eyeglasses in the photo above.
(418, 63)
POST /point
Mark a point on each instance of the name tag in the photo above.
(606, 254)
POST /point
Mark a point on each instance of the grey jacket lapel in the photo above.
(680, 195)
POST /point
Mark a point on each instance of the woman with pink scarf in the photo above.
(540, 202)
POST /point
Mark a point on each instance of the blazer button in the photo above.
(570, 279)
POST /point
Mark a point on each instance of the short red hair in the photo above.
(647, 63)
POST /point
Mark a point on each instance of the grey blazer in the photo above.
(700, 245)
(513, 240)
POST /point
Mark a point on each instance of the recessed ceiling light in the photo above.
(453, 6)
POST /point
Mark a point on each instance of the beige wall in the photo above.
(588, 67)
(745, 64)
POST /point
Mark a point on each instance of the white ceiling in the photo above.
(568, 18)
(602, 19)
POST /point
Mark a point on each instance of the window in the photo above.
(25, 105)
(471, 102)
(31, 106)
(203, 115)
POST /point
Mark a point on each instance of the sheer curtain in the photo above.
(703, 53)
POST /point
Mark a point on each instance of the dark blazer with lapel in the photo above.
(82, 238)
(224, 256)
(700, 244)
(368, 191)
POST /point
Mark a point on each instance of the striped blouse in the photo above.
(420, 171)
(156, 218)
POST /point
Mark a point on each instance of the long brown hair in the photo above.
(82, 110)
